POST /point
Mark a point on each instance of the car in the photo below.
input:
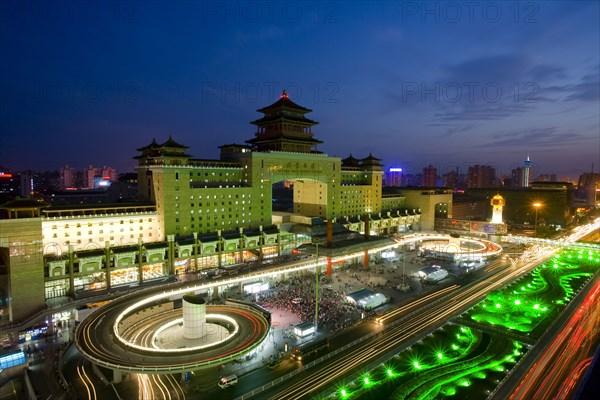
(275, 363)
(227, 381)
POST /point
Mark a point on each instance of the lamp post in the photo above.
(317, 287)
(469, 217)
(537, 206)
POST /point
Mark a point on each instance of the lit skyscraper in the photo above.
(429, 176)
(67, 177)
(526, 174)
(481, 176)
(394, 177)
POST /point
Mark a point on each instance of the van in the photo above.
(227, 381)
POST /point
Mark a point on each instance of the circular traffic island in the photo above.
(170, 333)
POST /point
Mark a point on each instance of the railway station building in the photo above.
(196, 214)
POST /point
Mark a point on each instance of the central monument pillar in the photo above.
(194, 316)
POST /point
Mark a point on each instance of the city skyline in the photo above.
(409, 77)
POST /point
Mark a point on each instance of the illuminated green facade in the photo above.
(203, 196)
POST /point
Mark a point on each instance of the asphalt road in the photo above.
(414, 322)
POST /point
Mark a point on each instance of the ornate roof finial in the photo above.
(284, 94)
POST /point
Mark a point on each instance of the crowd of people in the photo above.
(297, 295)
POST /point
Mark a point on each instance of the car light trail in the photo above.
(87, 382)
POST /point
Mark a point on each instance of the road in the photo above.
(418, 319)
(563, 361)
(94, 339)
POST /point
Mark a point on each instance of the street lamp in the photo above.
(317, 286)
(537, 206)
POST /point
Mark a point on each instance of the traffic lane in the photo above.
(316, 379)
(101, 344)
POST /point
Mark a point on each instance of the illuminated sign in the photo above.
(395, 169)
(5, 175)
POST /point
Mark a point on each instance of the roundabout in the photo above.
(454, 247)
(144, 333)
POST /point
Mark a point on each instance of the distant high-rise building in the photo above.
(67, 177)
(109, 174)
(88, 176)
(9, 186)
(450, 179)
(430, 176)
(393, 177)
(411, 179)
(26, 181)
(520, 177)
(589, 188)
(92, 174)
(515, 177)
(546, 178)
(481, 176)
(526, 177)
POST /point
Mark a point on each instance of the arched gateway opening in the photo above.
(301, 196)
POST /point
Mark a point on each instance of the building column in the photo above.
(366, 258)
(170, 255)
(215, 293)
(329, 268)
(107, 263)
(117, 376)
(71, 271)
(139, 259)
(261, 242)
(195, 234)
(278, 240)
(367, 226)
(220, 249)
(242, 244)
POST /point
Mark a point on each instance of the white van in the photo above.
(227, 381)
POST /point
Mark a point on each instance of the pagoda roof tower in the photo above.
(284, 128)
(167, 153)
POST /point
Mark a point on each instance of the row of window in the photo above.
(101, 231)
(111, 238)
(222, 196)
(121, 222)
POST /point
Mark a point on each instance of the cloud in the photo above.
(482, 112)
(588, 89)
(547, 137)
(501, 69)
(451, 129)
(545, 72)
(492, 88)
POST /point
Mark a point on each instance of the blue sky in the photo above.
(446, 83)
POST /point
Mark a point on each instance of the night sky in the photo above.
(446, 83)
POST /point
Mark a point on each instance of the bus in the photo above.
(308, 349)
